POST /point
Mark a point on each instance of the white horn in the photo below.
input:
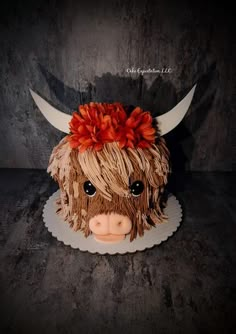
(58, 119)
(172, 118)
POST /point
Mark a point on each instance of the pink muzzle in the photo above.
(110, 228)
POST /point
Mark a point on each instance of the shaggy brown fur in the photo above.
(111, 171)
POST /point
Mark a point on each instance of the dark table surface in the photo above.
(187, 284)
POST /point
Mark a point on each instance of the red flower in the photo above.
(99, 123)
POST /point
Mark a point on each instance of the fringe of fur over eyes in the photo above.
(111, 170)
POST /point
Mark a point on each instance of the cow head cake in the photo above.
(111, 167)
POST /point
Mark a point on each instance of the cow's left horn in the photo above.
(172, 118)
(58, 119)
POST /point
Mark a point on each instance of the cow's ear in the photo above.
(57, 118)
(168, 121)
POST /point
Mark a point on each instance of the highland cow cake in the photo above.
(112, 167)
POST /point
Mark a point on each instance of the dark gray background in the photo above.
(73, 52)
(70, 54)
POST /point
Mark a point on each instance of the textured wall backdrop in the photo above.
(72, 52)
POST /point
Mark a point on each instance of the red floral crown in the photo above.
(99, 123)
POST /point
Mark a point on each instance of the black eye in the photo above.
(136, 188)
(89, 189)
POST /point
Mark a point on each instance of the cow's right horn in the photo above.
(58, 119)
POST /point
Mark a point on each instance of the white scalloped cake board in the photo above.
(152, 237)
